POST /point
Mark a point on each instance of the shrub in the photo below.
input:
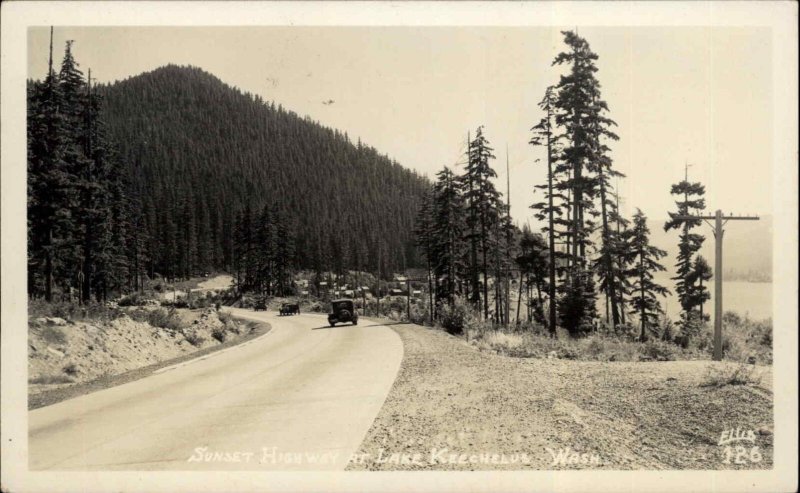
(134, 299)
(219, 334)
(658, 350)
(741, 374)
(596, 347)
(195, 339)
(420, 314)
(454, 318)
(166, 319)
(627, 331)
(71, 369)
(225, 317)
(53, 335)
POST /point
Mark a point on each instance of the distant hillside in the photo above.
(747, 248)
(199, 150)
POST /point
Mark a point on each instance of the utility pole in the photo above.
(719, 222)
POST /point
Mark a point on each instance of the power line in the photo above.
(720, 220)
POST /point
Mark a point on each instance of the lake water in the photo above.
(753, 299)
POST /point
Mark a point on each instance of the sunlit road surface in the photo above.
(301, 397)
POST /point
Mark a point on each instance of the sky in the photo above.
(700, 96)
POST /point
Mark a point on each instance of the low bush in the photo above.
(659, 350)
(135, 299)
(159, 317)
(195, 339)
(420, 314)
(53, 335)
(70, 369)
(219, 334)
(454, 318)
(741, 374)
(224, 317)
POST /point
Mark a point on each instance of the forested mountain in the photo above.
(198, 153)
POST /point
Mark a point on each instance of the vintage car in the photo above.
(342, 311)
(260, 305)
(290, 309)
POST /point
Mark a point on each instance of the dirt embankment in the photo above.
(64, 354)
(454, 407)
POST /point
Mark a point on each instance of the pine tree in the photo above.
(533, 261)
(449, 229)
(551, 209)
(574, 103)
(265, 252)
(601, 165)
(580, 116)
(690, 201)
(644, 259)
(284, 252)
(484, 205)
(619, 255)
(50, 188)
(701, 273)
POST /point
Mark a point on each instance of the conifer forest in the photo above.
(132, 180)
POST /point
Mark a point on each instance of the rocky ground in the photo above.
(64, 354)
(454, 407)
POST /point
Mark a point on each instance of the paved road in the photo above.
(301, 397)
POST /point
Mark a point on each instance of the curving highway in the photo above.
(301, 397)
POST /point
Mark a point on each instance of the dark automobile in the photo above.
(290, 309)
(260, 305)
(342, 311)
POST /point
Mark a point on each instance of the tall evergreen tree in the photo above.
(51, 193)
(484, 204)
(550, 210)
(689, 201)
(449, 228)
(701, 273)
(533, 261)
(78, 207)
(644, 259)
(584, 162)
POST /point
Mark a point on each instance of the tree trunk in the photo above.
(48, 266)
(552, 240)
(641, 289)
(519, 297)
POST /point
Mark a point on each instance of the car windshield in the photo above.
(342, 305)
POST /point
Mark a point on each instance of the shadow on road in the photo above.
(345, 325)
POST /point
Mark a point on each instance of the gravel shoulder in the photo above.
(44, 397)
(491, 412)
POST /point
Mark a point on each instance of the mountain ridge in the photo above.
(193, 142)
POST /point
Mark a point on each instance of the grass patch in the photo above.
(741, 374)
(51, 380)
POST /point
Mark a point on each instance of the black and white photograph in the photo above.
(482, 246)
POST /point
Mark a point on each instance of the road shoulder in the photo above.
(491, 412)
(49, 397)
